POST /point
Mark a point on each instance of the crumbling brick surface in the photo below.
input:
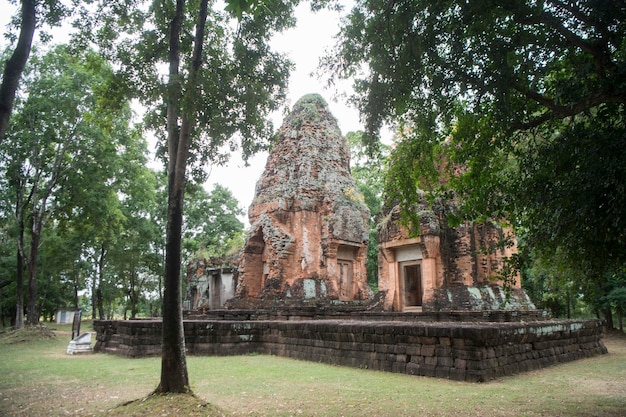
(461, 264)
(306, 213)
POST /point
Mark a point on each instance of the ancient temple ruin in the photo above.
(308, 236)
(209, 284)
(301, 288)
(445, 268)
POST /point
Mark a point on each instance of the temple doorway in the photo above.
(411, 278)
(346, 256)
(345, 279)
(215, 287)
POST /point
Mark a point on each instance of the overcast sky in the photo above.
(304, 44)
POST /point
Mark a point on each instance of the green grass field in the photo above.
(37, 378)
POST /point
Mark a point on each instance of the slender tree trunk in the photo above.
(19, 216)
(19, 305)
(76, 279)
(32, 312)
(14, 67)
(174, 375)
(133, 293)
(608, 317)
(100, 303)
(99, 297)
(94, 290)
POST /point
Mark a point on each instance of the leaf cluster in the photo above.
(241, 80)
(514, 108)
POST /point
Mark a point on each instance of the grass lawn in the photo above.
(37, 378)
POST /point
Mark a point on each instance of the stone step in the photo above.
(112, 350)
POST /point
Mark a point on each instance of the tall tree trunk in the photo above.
(32, 312)
(76, 279)
(98, 293)
(100, 303)
(608, 317)
(133, 295)
(14, 67)
(94, 301)
(174, 375)
(19, 305)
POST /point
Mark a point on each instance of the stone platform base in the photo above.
(463, 351)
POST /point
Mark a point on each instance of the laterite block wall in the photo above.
(460, 351)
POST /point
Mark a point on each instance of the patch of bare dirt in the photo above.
(183, 405)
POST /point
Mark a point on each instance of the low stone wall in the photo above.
(359, 312)
(460, 351)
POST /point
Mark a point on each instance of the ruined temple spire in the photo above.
(309, 223)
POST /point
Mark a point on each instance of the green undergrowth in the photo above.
(37, 378)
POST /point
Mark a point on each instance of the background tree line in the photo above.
(82, 212)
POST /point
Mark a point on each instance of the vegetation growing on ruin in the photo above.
(306, 110)
(528, 98)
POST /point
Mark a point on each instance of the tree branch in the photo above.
(581, 16)
(601, 56)
(15, 65)
(556, 111)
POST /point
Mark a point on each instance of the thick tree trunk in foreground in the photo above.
(174, 375)
(14, 67)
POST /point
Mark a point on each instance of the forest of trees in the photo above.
(528, 97)
(83, 218)
(520, 106)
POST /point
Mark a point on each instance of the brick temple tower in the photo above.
(307, 242)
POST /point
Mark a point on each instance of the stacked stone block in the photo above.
(461, 351)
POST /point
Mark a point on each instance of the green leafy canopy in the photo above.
(515, 107)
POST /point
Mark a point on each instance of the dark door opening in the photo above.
(412, 285)
(345, 279)
(216, 292)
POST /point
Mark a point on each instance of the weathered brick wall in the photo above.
(306, 209)
(358, 312)
(456, 350)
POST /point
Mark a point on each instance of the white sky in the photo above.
(305, 45)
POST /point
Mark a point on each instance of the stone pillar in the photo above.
(430, 279)
(391, 280)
